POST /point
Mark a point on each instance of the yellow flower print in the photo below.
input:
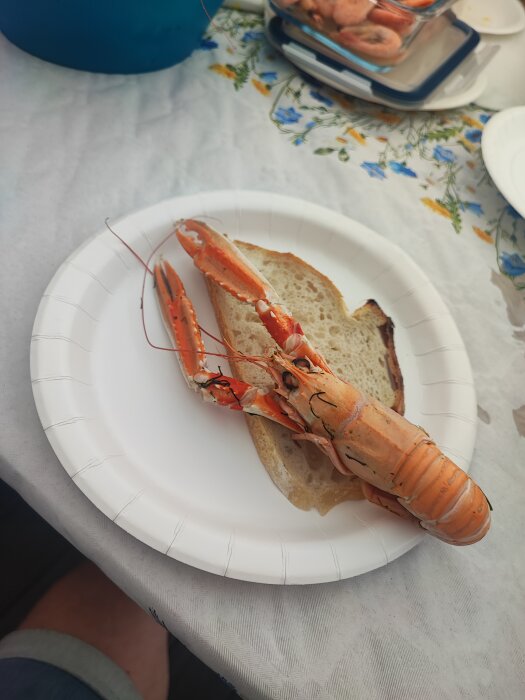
(436, 206)
(340, 139)
(261, 87)
(223, 70)
(472, 122)
(483, 234)
(471, 147)
(356, 135)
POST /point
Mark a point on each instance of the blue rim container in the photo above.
(107, 36)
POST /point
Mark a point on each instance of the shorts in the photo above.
(47, 665)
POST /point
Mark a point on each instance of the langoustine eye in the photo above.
(302, 363)
(289, 381)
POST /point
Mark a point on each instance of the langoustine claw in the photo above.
(181, 324)
(219, 259)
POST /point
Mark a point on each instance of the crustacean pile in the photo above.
(376, 29)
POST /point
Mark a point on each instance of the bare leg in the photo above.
(87, 605)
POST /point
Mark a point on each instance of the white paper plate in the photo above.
(492, 16)
(183, 476)
(503, 148)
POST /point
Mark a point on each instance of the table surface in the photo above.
(77, 148)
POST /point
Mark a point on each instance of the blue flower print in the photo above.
(484, 118)
(287, 116)
(298, 141)
(443, 155)
(310, 125)
(268, 76)
(321, 98)
(473, 135)
(512, 212)
(474, 207)
(401, 169)
(208, 44)
(252, 36)
(374, 170)
(513, 265)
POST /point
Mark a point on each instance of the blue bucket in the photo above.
(107, 36)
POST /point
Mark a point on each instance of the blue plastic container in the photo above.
(107, 36)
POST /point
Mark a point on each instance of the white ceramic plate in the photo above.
(492, 16)
(503, 148)
(505, 86)
(183, 476)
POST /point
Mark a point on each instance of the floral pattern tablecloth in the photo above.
(439, 622)
(441, 150)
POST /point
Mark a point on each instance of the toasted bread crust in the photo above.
(385, 326)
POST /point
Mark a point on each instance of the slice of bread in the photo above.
(358, 347)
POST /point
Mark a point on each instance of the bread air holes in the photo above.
(311, 286)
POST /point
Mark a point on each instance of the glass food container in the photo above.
(378, 32)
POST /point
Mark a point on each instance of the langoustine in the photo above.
(400, 466)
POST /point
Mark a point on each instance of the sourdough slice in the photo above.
(358, 347)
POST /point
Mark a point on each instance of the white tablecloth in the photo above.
(440, 622)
